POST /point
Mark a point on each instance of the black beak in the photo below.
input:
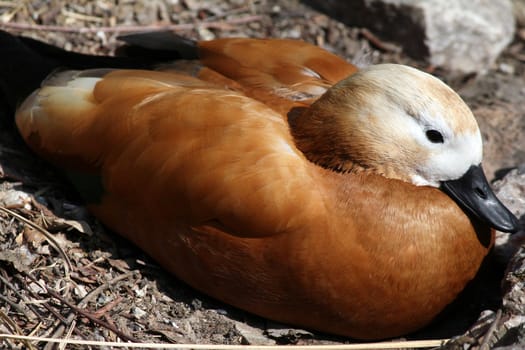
(473, 193)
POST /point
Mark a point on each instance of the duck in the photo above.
(273, 175)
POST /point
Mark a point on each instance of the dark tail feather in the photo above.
(21, 69)
(25, 63)
(160, 45)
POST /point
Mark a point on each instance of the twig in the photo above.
(49, 308)
(22, 297)
(10, 4)
(80, 311)
(370, 346)
(45, 304)
(231, 12)
(15, 306)
(14, 328)
(378, 43)
(128, 29)
(49, 237)
(68, 335)
(70, 319)
(109, 306)
(81, 17)
(100, 288)
(14, 10)
(485, 343)
(36, 329)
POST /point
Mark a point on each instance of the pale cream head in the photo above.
(398, 121)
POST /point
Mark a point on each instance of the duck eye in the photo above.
(434, 136)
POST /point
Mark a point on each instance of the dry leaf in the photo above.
(119, 264)
(79, 225)
(21, 258)
(33, 237)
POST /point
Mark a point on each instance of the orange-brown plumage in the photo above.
(202, 169)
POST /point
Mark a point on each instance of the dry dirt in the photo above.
(109, 289)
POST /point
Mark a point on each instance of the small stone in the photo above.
(15, 199)
(80, 291)
(511, 191)
(141, 292)
(138, 312)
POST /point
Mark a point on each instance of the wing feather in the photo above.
(198, 153)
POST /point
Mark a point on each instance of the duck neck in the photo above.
(326, 138)
(318, 135)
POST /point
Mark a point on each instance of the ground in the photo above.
(77, 279)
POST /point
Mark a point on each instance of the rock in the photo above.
(496, 100)
(463, 35)
(511, 191)
(511, 328)
(514, 288)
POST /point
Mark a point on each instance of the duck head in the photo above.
(403, 124)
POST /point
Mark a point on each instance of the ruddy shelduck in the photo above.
(273, 175)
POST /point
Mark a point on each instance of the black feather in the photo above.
(25, 62)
